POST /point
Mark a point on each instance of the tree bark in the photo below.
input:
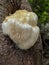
(10, 54)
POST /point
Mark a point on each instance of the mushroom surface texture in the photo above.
(22, 28)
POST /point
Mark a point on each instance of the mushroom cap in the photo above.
(22, 28)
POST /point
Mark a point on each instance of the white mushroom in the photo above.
(22, 28)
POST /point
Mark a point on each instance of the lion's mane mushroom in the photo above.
(22, 28)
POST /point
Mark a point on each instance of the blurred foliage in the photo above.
(41, 8)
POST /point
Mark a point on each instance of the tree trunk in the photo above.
(9, 53)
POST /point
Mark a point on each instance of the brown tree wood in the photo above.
(9, 53)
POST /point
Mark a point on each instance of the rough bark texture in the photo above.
(9, 53)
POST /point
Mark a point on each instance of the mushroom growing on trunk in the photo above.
(22, 28)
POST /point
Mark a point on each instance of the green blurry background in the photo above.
(41, 7)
